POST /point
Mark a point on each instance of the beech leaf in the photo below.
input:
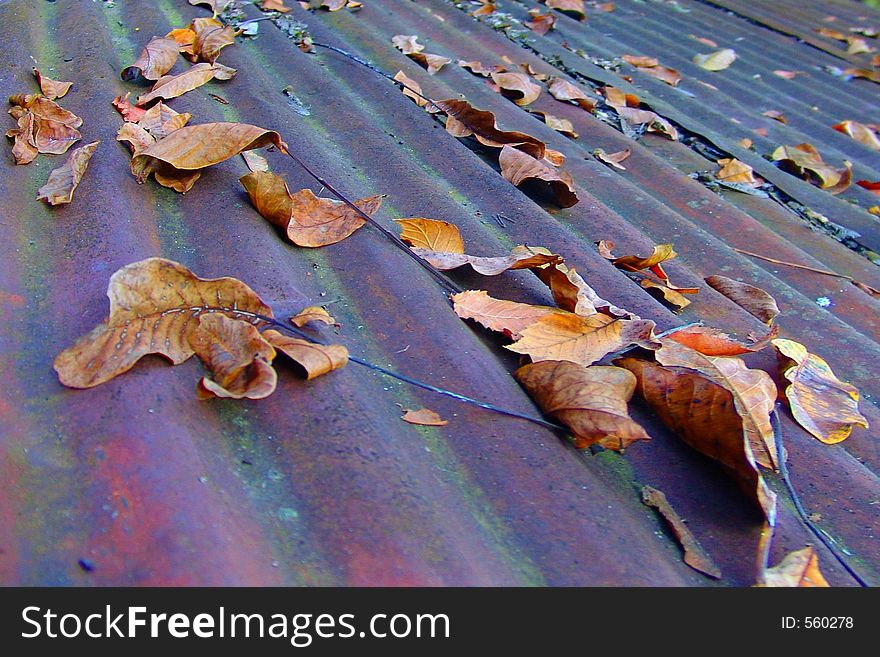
(820, 402)
(64, 180)
(155, 60)
(508, 317)
(519, 167)
(51, 89)
(590, 401)
(155, 306)
(424, 417)
(753, 300)
(315, 359)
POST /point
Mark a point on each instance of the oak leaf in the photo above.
(519, 167)
(713, 342)
(590, 401)
(431, 234)
(565, 91)
(155, 306)
(581, 340)
(156, 59)
(64, 180)
(820, 402)
(507, 317)
(463, 120)
(172, 86)
(315, 359)
(424, 417)
(797, 569)
(753, 300)
(312, 314)
(51, 89)
(703, 414)
(716, 61)
(239, 359)
(519, 86)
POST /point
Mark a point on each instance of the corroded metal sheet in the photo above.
(322, 483)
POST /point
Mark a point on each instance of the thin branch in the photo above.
(802, 513)
(795, 265)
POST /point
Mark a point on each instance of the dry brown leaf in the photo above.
(820, 402)
(255, 161)
(694, 554)
(195, 147)
(519, 167)
(521, 257)
(753, 300)
(797, 569)
(654, 121)
(703, 414)
(640, 61)
(563, 126)
(487, 9)
(335, 5)
(581, 340)
(860, 132)
(556, 158)
(463, 120)
(540, 23)
(732, 170)
(713, 342)
(660, 254)
(477, 68)
(590, 401)
(745, 142)
(805, 161)
(618, 98)
(428, 61)
(407, 44)
(776, 115)
(650, 66)
(211, 37)
(274, 5)
(519, 86)
(44, 126)
(51, 89)
(216, 6)
(424, 417)
(138, 139)
(754, 393)
(788, 75)
(185, 38)
(431, 234)
(312, 314)
(64, 180)
(866, 73)
(172, 86)
(155, 305)
(605, 6)
(315, 359)
(160, 120)
(156, 59)
(413, 90)
(574, 8)
(572, 293)
(306, 219)
(612, 159)
(666, 293)
(508, 317)
(128, 111)
(567, 92)
(239, 359)
(716, 61)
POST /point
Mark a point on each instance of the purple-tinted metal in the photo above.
(322, 483)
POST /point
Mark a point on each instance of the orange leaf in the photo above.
(64, 180)
(753, 300)
(508, 317)
(797, 569)
(129, 112)
(155, 305)
(640, 61)
(820, 402)
(519, 167)
(713, 342)
(51, 89)
(155, 60)
(703, 414)
(591, 401)
(315, 359)
(431, 234)
(522, 90)
(567, 92)
(582, 340)
(239, 359)
(860, 132)
(274, 5)
(312, 314)
(463, 120)
(540, 23)
(424, 417)
(211, 37)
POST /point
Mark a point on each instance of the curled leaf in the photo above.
(508, 317)
(315, 359)
(44, 126)
(172, 86)
(521, 257)
(732, 170)
(804, 160)
(716, 61)
(211, 37)
(407, 44)
(612, 159)
(424, 417)
(713, 342)
(477, 68)
(574, 8)
(572, 293)
(820, 402)
(653, 121)
(860, 132)
(519, 86)
(540, 23)
(591, 401)
(155, 60)
(519, 167)
(797, 569)
(463, 120)
(312, 314)
(412, 89)
(64, 180)
(753, 300)
(560, 125)
(565, 91)
(51, 89)
(128, 111)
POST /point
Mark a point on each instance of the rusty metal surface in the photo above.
(322, 483)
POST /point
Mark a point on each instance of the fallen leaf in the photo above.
(694, 554)
(776, 115)
(412, 89)
(315, 359)
(521, 257)
(312, 314)
(172, 86)
(572, 293)
(540, 23)
(185, 38)
(519, 86)
(868, 74)
(732, 170)
(860, 132)
(217, 6)
(574, 8)
(128, 111)
(651, 66)
(875, 210)
(605, 6)
(155, 60)
(590, 401)
(612, 159)
(797, 569)
(507, 317)
(805, 161)
(563, 126)
(332, 5)
(617, 98)
(567, 92)
(477, 68)
(519, 167)
(640, 61)
(581, 340)
(754, 393)
(704, 41)
(654, 122)
(155, 306)
(195, 147)
(745, 142)
(239, 359)
(137, 137)
(820, 402)
(433, 63)
(633, 263)
(871, 186)
(487, 9)
(703, 414)
(306, 219)
(431, 234)
(424, 417)
(463, 120)
(64, 180)
(716, 61)
(407, 44)
(713, 342)
(753, 300)
(254, 161)
(274, 5)
(665, 293)
(160, 120)
(43, 125)
(788, 75)
(51, 89)
(211, 37)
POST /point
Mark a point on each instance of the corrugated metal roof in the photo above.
(322, 483)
